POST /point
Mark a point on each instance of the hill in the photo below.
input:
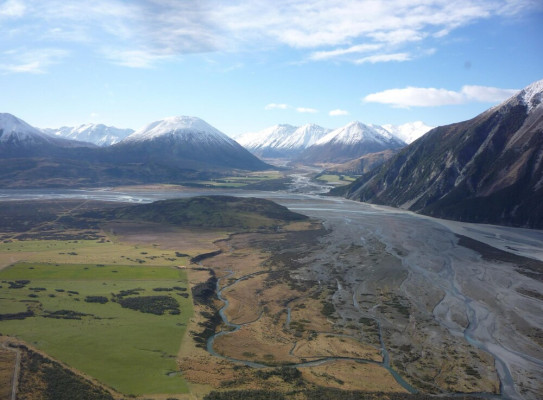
(207, 212)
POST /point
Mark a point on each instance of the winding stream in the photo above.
(235, 327)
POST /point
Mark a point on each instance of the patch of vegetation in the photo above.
(18, 284)
(20, 315)
(157, 305)
(96, 299)
(245, 395)
(328, 309)
(48, 380)
(64, 314)
(288, 374)
(209, 325)
(204, 293)
(204, 256)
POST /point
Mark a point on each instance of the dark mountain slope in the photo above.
(488, 169)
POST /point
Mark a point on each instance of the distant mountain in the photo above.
(19, 139)
(175, 150)
(282, 141)
(488, 169)
(98, 134)
(408, 132)
(187, 143)
(350, 142)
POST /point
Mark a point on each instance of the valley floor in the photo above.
(374, 299)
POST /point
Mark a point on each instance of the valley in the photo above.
(358, 298)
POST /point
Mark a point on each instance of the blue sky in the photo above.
(246, 65)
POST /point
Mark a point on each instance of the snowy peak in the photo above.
(98, 134)
(532, 95)
(282, 141)
(408, 132)
(306, 135)
(269, 137)
(182, 127)
(357, 132)
(13, 128)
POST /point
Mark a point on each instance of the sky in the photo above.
(243, 66)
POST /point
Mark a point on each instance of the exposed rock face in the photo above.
(488, 169)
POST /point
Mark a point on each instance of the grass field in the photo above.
(336, 179)
(131, 351)
(86, 251)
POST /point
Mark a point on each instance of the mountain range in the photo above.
(282, 141)
(173, 150)
(488, 169)
(292, 143)
(350, 142)
(98, 134)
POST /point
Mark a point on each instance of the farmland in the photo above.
(129, 350)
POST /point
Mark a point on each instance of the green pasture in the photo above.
(131, 351)
(336, 179)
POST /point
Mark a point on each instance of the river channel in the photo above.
(484, 292)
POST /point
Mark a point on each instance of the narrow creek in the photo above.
(232, 327)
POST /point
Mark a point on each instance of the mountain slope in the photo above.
(187, 143)
(408, 132)
(362, 164)
(349, 142)
(19, 139)
(488, 169)
(282, 141)
(98, 134)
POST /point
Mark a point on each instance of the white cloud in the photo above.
(275, 106)
(361, 48)
(431, 97)
(338, 112)
(31, 61)
(134, 58)
(12, 8)
(306, 110)
(487, 94)
(384, 58)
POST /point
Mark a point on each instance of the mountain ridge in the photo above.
(349, 142)
(488, 169)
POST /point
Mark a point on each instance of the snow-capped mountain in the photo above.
(282, 141)
(98, 134)
(19, 138)
(349, 142)
(408, 132)
(488, 169)
(187, 142)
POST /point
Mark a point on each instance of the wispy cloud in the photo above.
(134, 58)
(338, 112)
(149, 31)
(306, 110)
(377, 58)
(432, 97)
(275, 106)
(31, 61)
(329, 54)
